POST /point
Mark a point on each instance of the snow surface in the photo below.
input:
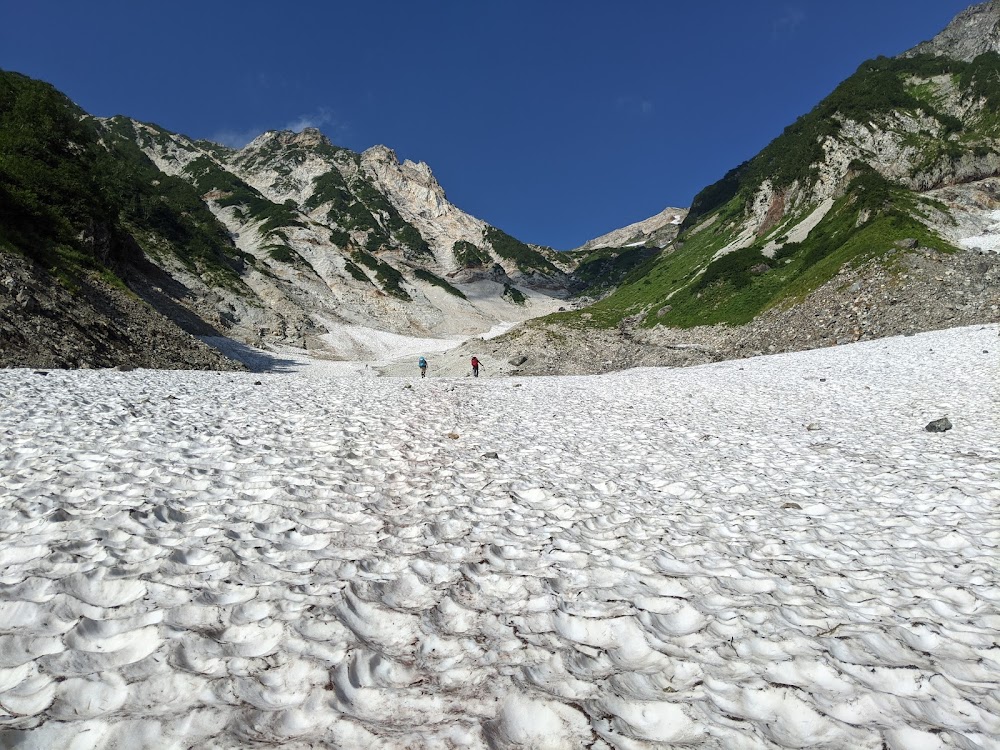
(372, 352)
(751, 554)
(990, 238)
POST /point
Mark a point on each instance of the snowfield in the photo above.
(766, 553)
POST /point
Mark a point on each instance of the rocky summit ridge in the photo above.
(973, 32)
(656, 231)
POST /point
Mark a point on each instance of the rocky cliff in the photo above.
(973, 32)
(282, 242)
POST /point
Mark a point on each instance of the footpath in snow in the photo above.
(767, 553)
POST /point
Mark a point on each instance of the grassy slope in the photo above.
(866, 222)
(686, 287)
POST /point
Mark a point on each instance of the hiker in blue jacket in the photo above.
(422, 364)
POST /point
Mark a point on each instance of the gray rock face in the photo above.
(939, 425)
(421, 200)
(42, 324)
(657, 230)
(973, 32)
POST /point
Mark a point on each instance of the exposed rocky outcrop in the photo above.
(656, 231)
(421, 200)
(971, 33)
(45, 324)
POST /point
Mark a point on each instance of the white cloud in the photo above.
(322, 116)
(788, 23)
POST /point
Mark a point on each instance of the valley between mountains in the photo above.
(876, 213)
(747, 498)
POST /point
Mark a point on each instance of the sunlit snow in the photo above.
(760, 553)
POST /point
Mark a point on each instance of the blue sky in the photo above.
(555, 121)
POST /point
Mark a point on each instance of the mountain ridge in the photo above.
(281, 242)
(841, 184)
(657, 230)
(285, 240)
(973, 32)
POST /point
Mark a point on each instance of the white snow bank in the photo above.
(761, 553)
(357, 348)
(989, 240)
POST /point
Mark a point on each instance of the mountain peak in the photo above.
(307, 138)
(972, 32)
(656, 230)
(380, 153)
(310, 137)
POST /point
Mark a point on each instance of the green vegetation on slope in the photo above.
(208, 176)
(74, 194)
(49, 186)
(329, 187)
(390, 278)
(163, 211)
(354, 270)
(526, 259)
(981, 79)
(513, 294)
(397, 227)
(606, 266)
(877, 88)
(468, 255)
(687, 287)
(281, 156)
(359, 206)
(436, 280)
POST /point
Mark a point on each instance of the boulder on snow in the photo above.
(939, 425)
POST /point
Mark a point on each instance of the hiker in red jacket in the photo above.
(475, 367)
